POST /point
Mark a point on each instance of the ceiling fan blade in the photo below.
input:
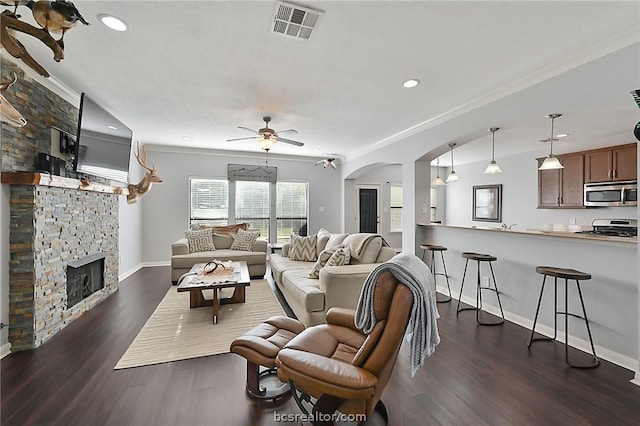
(289, 141)
(246, 128)
(241, 139)
(294, 131)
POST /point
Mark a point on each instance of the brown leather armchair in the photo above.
(339, 366)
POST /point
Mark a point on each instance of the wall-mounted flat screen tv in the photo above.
(103, 147)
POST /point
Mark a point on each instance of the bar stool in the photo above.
(567, 274)
(433, 249)
(479, 257)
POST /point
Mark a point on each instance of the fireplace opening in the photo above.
(84, 277)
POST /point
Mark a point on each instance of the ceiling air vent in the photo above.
(295, 21)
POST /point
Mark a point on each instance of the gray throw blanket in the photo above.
(422, 331)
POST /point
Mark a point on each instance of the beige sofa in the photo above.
(182, 260)
(338, 286)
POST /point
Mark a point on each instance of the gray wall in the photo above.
(4, 263)
(165, 210)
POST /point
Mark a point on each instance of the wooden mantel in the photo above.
(45, 179)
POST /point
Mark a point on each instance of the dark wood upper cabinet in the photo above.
(617, 163)
(562, 188)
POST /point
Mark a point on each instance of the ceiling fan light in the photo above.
(493, 168)
(551, 163)
(438, 181)
(266, 143)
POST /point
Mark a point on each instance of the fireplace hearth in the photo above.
(84, 277)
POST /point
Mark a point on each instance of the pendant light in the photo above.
(453, 176)
(493, 167)
(438, 181)
(551, 162)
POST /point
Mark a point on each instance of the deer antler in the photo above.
(142, 159)
(16, 49)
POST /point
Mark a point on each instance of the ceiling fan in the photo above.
(267, 137)
(327, 162)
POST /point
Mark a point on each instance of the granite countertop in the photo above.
(541, 232)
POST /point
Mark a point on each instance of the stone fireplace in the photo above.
(55, 234)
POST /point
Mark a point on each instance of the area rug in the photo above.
(175, 332)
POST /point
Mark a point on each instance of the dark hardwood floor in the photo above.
(477, 376)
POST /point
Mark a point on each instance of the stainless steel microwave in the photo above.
(611, 194)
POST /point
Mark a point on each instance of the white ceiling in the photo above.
(202, 68)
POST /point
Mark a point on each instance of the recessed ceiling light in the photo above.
(113, 22)
(411, 83)
(562, 135)
(112, 127)
(187, 138)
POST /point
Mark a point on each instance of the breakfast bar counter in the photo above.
(611, 296)
(631, 241)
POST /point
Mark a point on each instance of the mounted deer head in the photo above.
(8, 113)
(137, 191)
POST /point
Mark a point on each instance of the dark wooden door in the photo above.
(368, 207)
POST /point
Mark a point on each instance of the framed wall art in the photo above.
(487, 203)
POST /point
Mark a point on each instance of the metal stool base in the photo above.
(479, 289)
(566, 314)
(445, 299)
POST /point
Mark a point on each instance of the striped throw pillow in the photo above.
(342, 256)
(303, 248)
(323, 257)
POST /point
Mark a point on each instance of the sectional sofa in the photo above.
(337, 286)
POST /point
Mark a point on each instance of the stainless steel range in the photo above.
(614, 227)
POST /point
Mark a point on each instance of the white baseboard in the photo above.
(583, 345)
(127, 274)
(151, 264)
(5, 350)
(136, 268)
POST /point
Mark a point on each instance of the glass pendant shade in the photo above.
(551, 162)
(437, 181)
(493, 168)
(453, 176)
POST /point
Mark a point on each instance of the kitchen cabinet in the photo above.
(562, 188)
(617, 163)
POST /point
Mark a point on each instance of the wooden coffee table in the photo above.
(240, 280)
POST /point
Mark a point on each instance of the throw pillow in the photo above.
(342, 256)
(323, 257)
(335, 240)
(303, 248)
(244, 240)
(226, 229)
(323, 236)
(201, 240)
